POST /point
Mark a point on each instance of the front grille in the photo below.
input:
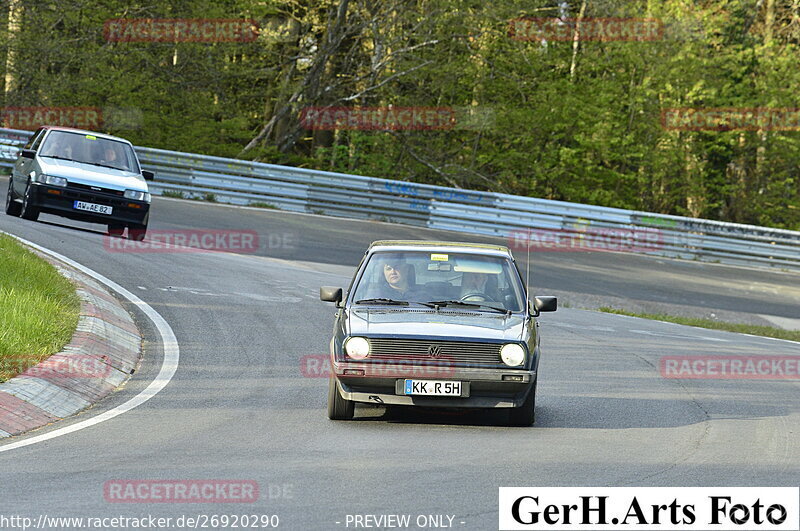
(75, 195)
(104, 196)
(419, 350)
(95, 189)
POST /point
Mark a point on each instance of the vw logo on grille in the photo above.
(434, 351)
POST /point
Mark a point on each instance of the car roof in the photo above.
(84, 132)
(415, 245)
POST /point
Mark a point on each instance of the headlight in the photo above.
(512, 354)
(357, 348)
(51, 180)
(137, 195)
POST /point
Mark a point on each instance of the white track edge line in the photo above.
(165, 374)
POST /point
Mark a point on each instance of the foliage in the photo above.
(543, 118)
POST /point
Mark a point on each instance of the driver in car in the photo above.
(478, 287)
(109, 155)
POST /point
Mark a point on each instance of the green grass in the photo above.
(178, 194)
(261, 204)
(38, 309)
(173, 193)
(756, 330)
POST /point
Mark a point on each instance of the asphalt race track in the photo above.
(240, 408)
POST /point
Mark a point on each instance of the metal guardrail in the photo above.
(523, 220)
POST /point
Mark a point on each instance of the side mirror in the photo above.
(545, 304)
(28, 154)
(148, 175)
(329, 294)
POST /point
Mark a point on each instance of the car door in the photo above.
(22, 167)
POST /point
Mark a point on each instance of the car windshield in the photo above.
(445, 278)
(89, 149)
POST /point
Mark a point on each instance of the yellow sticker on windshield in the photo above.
(91, 137)
(439, 257)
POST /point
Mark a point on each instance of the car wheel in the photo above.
(525, 415)
(338, 407)
(29, 211)
(12, 207)
(115, 230)
(137, 232)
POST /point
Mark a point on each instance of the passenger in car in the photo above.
(397, 275)
(59, 147)
(396, 280)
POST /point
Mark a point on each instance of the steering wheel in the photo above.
(476, 296)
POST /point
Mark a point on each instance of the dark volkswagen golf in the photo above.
(435, 324)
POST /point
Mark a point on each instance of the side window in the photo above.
(38, 141)
(37, 137)
(353, 280)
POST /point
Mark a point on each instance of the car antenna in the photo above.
(528, 272)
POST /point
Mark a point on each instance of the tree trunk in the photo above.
(14, 21)
(769, 22)
(576, 38)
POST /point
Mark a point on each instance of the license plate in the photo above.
(432, 388)
(93, 207)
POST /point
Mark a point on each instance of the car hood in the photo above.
(450, 323)
(82, 173)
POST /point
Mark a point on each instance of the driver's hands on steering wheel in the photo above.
(476, 296)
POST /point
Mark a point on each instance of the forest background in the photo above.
(562, 115)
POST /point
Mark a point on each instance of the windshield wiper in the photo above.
(382, 301)
(468, 304)
(84, 162)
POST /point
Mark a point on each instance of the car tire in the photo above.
(525, 415)
(338, 407)
(29, 211)
(12, 207)
(137, 232)
(115, 230)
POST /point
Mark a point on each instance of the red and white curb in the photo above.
(165, 339)
(106, 340)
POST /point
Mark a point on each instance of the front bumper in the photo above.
(384, 383)
(60, 201)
